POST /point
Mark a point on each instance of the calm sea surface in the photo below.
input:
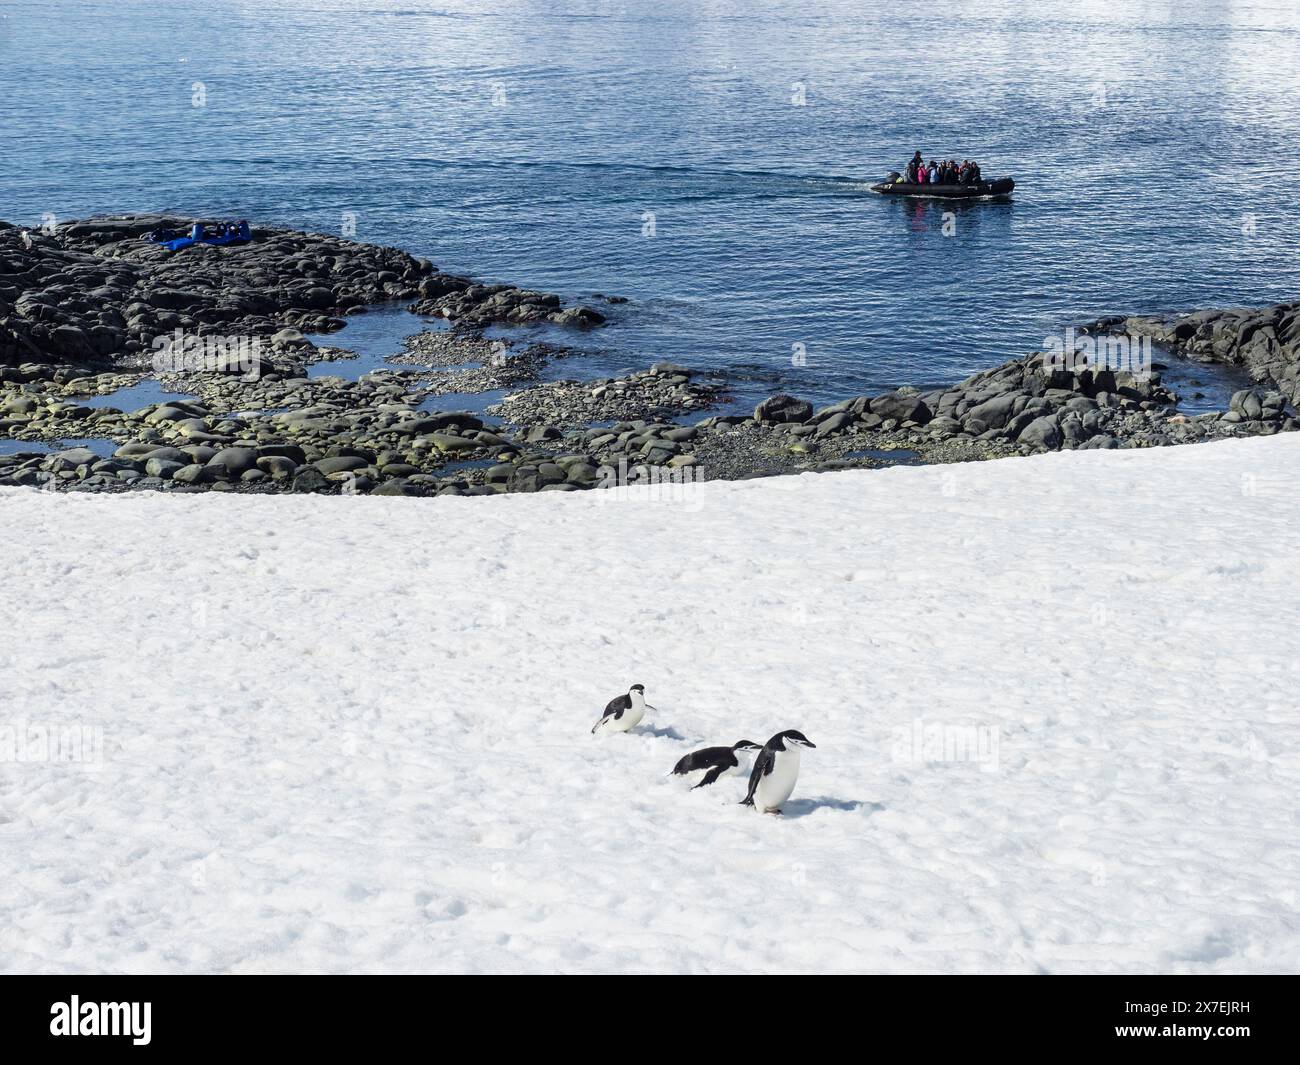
(708, 160)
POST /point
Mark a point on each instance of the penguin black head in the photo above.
(784, 741)
(638, 688)
(746, 745)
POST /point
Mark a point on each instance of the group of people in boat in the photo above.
(948, 172)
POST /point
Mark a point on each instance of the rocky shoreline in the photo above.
(90, 308)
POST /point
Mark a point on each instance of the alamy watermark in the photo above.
(646, 483)
(190, 353)
(41, 743)
(939, 742)
(1116, 352)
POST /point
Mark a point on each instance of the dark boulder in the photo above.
(902, 407)
(783, 408)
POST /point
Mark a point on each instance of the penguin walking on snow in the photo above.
(775, 771)
(707, 766)
(623, 713)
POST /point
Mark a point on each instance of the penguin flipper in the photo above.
(613, 711)
(617, 705)
(762, 764)
(711, 777)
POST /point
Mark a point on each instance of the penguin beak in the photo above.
(809, 743)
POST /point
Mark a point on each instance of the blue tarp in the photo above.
(220, 233)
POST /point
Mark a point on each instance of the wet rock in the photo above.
(232, 462)
(449, 444)
(1042, 432)
(163, 468)
(944, 426)
(277, 467)
(309, 479)
(473, 305)
(901, 407)
(191, 474)
(289, 337)
(77, 456)
(166, 454)
(395, 487)
(339, 464)
(994, 413)
(524, 478)
(783, 408)
(834, 424)
(293, 452)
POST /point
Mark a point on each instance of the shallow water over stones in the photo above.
(101, 447)
(466, 466)
(1201, 387)
(148, 392)
(474, 402)
(374, 336)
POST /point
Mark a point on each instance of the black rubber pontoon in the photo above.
(980, 190)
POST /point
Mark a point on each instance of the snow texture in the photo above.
(1054, 703)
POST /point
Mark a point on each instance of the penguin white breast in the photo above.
(631, 716)
(634, 713)
(776, 786)
(694, 777)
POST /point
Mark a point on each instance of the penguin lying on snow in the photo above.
(707, 766)
(775, 771)
(623, 713)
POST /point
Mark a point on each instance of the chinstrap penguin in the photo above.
(775, 771)
(710, 764)
(623, 713)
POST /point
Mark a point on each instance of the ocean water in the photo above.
(708, 160)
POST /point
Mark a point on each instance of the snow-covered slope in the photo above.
(352, 734)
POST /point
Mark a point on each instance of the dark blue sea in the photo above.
(708, 160)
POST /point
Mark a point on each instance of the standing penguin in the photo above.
(775, 771)
(707, 766)
(623, 713)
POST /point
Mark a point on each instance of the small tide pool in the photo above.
(374, 336)
(100, 446)
(474, 402)
(145, 393)
(1202, 387)
(465, 466)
